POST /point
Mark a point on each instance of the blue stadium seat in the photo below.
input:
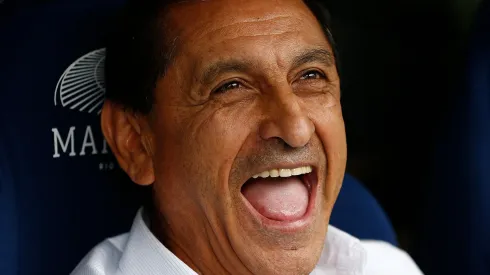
(357, 212)
(61, 191)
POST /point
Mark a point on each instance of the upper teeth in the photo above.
(284, 173)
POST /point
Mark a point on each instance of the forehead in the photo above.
(204, 24)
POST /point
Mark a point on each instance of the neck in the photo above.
(195, 249)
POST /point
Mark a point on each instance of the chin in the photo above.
(274, 251)
(284, 262)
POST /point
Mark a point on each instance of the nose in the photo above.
(286, 120)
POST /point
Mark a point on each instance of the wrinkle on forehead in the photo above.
(268, 36)
(281, 25)
(208, 19)
(271, 26)
(262, 31)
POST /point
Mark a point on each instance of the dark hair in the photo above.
(138, 52)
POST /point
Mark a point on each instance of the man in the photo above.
(230, 109)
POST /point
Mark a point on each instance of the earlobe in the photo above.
(127, 135)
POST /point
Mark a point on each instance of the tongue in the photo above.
(281, 199)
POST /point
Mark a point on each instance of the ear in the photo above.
(130, 138)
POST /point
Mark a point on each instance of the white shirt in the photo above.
(140, 253)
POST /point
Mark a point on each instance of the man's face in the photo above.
(252, 89)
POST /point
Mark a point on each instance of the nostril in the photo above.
(296, 132)
(286, 119)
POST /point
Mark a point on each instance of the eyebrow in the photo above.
(221, 67)
(314, 55)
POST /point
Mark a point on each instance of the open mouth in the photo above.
(282, 195)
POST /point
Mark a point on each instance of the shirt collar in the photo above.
(143, 253)
(342, 255)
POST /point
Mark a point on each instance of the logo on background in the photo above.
(82, 87)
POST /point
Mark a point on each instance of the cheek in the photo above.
(201, 145)
(226, 128)
(329, 124)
